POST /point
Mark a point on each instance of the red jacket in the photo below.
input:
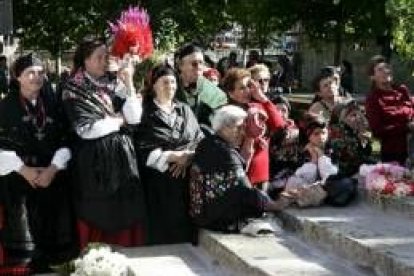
(388, 112)
(258, 170)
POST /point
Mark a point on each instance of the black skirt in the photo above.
(108, 191)
(39, 220)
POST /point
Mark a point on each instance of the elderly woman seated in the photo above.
(221, 194)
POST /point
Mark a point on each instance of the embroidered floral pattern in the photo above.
(207, 187)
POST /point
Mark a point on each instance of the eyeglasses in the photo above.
(197, 63)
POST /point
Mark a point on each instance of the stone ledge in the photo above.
(280, 254)
(364, 235)
(403, 206)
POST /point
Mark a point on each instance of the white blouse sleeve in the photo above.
(326, 168)
(132, 110)
(100, 128)
(157, 159)
(307, 172)
(9, 162)
(61, 158)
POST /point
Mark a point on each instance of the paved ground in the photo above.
(173, 260)
(180, 260)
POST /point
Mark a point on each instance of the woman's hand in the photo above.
(257, 93)
(30, 174)
(127, 70)
(46, 176)
(314, 152)
(179, 161)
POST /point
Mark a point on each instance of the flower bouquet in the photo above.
(97, 260)
(388, 179)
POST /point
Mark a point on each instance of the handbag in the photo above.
(311, 195)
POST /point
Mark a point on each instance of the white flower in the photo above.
(101, 262)
(402, 189)
(376, 182)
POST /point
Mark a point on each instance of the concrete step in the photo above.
(373, 239)
(401, 206)
(177, 259)
(279, 254)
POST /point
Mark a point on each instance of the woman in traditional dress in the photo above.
(222, 196)
(108, 193)
(34, 191)
(390, 111)
(166, 139)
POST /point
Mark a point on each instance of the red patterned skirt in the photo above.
(133, 236)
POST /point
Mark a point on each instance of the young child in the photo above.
(316, 165)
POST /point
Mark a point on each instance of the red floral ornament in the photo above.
(132, 34)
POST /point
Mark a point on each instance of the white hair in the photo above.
(227, 115)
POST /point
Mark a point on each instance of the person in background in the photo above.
(254, 58)
(326, 88)
(166, 139)
(227, 63)
(390, 111)
(35, 190)
(108, 193)
(212, 75)
(347, 77)
(194, 89)
(4, 76)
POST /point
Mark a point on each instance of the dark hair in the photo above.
(24, 62)
(374, 61)
(348, 66)
(154, 74)
(186, 50)
(3, 58)
(313, 121)
(330, 71)
(325, 72)
(279, 99)
(84, 50)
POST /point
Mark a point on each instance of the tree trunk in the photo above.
(338, 46)
(58, 63)
(339, 34)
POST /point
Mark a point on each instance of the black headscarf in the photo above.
(24, 62)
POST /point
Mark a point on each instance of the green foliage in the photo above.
(143, 68)
(167, 37)
(58, 25)
(401, 13)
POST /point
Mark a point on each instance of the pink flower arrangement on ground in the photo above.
(388, 179)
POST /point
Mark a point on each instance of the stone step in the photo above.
(177, 259)
(402, 206)
(373, 239)
(279, 254)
